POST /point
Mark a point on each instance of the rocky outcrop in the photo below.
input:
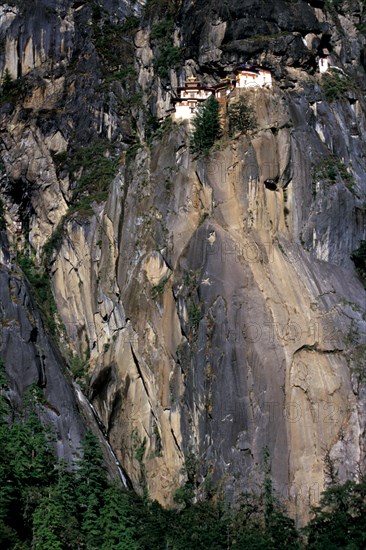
(45, 35)
(213, 298)
(31, 358)
(215, 328)
(250, 29)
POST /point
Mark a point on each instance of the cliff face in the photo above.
(218, 315)
(30, 358)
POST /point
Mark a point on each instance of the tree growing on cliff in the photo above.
(9, 88)
(161, 8)
(7, 83)
(359, 259)
(206, 126)
(241, 117)
(2, 219)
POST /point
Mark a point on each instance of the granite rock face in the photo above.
(30, 358)
(219, 314)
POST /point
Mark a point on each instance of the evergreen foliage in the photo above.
(98, 166)
(335, 84)
(280, 529)
(48, 506)
(39, 280)
(27, 467)
(167, 55)
(48, 523)
(169, 58)
(7, 83)
(161, 30)
(10, 89)
(117, 522)
(65, 493)
(161, 8)
(207, 127)
(241, 117)
(207, 527)
(359, 259)
(339, 520)
(91, 485)
(2, 219)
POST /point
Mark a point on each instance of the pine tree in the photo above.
(267, 487)
(48, 524)
(200, 526)
(280, 529)
(66, 487)
(90, 522)
(30, 453)
(7, 84)
(339, 520)
(29, 460)
(9, 496)
(241, 117)
(26, 466)
(91, 472)
(92, 482)
(8, 492)
(116, 521)
(207, 127)
(65, 494)
(247, 526)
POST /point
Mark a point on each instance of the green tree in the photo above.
(10, 89)
(90, 522)
(247, 529)
(335, 84)
(152, 523)
(27, 466)
(206, 126)
(116, 521)
(169, 58)
(241, 117)
(91, 473)
(359, 259)
(30, 460)
(63, 495)
(280, 529)
(48, 524)
(185, 494)
(339, 520)
(92, 482)
(266, 524)
(201, 526)
(8, 492)
(30, 454)
(257, 526)
(7, 83)
(267, 487)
